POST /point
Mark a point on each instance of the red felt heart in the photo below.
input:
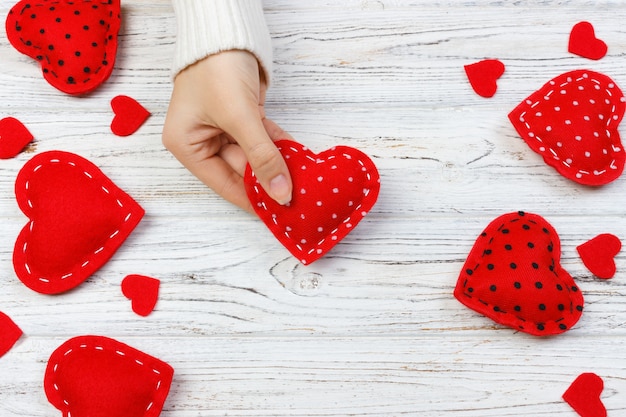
(572, 122)
(100, 377)
(598, 254)
(142, 291)
(583, 42)
(584, 395)
(333, 191)
(14, 136)
(513, 275)
(10, 333)
(78, 220)
(129, 115)
(75, 41)
(483, 76)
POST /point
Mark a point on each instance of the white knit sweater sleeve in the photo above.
(206, 27)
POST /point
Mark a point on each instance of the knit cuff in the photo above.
(206, 27)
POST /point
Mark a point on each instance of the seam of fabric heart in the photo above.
(31, 223)
(55, 366)
(616, 118)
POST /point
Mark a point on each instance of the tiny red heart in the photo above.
(99, 376)
(129, 115)
(583, 42)
(332, 192)
(14, 137)
(77, 219)
(142, 291)
(572, 122)
(583, 395)
(10, 333)
(513, 275)
(74, 41)
(598, 254)
(483, 76)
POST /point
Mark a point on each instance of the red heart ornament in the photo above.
(74, 41)
(10, 333)
(584, 395)
(129, 115)
(513, 276)
(78, 218)
(483, 76)
(572, 122)
(598, 254)
(100, 377)
(142, 291)
(14, 137)
(333, 191)
(583, 42)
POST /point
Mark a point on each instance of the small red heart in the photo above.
(14, 137)
(129, 115)
(483, 76)
(583, 42)
(10, 333)
(598, 254)
(98, 376)
(332, 192)
(78, 218)
(584, 395)
(142, 291)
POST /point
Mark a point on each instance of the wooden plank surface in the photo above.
(372, 329)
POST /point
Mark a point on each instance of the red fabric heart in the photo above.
(483, 76)
(10, 333)
(75, 41)
(142, 291)
(584, 395)
(129, 115)
(513, 276)
(572, 123)
(598, 254)
(96, 376)
(583, 42)
(14, 137)
(78, 218)
(333, 191)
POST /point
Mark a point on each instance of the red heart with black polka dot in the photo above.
(572, 123)
(513, 276)
(75, 42)
(332, 192)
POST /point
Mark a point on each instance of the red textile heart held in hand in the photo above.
(333, 191)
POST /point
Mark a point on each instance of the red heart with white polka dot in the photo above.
(333, 191)
(572, 122)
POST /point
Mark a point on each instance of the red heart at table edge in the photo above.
(10, 333)
(78, 218)
(14, 137)
(483, 76)
(143, 292)
(598, 254)
(332, 192)
(129, 115)
(583, 42)
(583, 395)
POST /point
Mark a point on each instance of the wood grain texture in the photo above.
(372, 329)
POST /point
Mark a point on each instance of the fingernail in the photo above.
(279, 189)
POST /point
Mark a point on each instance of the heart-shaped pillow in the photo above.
(78, 218)
(332, 192)
(74, 41)
(513, 275)
(95, 376)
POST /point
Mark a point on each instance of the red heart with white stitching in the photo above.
(78, 218)
(572, 123)
(99, 376)
(14, 137)
(332, 192)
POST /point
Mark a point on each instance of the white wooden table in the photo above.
(372, 329)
